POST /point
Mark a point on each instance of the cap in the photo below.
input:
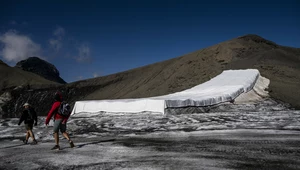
(58, 96)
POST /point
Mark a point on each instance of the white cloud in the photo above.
(95, 75)
(56, 42)
(80, 78)
(59, 40)
(83, 53)
(59, 32)
(18, 47)
(13, 22)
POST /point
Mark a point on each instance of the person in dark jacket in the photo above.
(29, 117)
(60, 122)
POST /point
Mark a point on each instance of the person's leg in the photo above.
(56, 127)
(63, 128)
(27, 135)
(29, 130)
(66, 135)
(56, 137)
(32, 136)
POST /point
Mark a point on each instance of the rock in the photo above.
(41, 68)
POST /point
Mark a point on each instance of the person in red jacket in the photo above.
(60, 122)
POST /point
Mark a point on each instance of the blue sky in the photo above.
(86, 39)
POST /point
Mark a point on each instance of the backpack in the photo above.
(29, 115)
(64, 109)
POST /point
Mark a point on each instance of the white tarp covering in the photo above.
(120, 106)
(223, 88)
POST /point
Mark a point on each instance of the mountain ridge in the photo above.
(278, 63)
(42, 68)
(12, 77)
(248, 51)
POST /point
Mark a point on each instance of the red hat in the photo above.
(58, 96)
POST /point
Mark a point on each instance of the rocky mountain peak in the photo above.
(41, 68)
(256, 39)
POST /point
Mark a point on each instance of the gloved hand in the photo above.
(35, 124)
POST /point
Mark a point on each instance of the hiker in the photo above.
(29, 117)
(60, 122)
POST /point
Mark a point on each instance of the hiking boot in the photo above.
(25, 141)
(72, 144)
(34, 142)
(56, 147)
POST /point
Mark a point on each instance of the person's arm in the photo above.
(21, 118)
(66, 119)
(35, 117)
(51, 112)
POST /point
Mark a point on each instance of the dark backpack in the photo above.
(64, 109)
(30, 116)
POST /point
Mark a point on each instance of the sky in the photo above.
(87, 39)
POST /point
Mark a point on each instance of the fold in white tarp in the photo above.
(222, 88)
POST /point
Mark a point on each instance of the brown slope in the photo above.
(278, 63)
(12, 77)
